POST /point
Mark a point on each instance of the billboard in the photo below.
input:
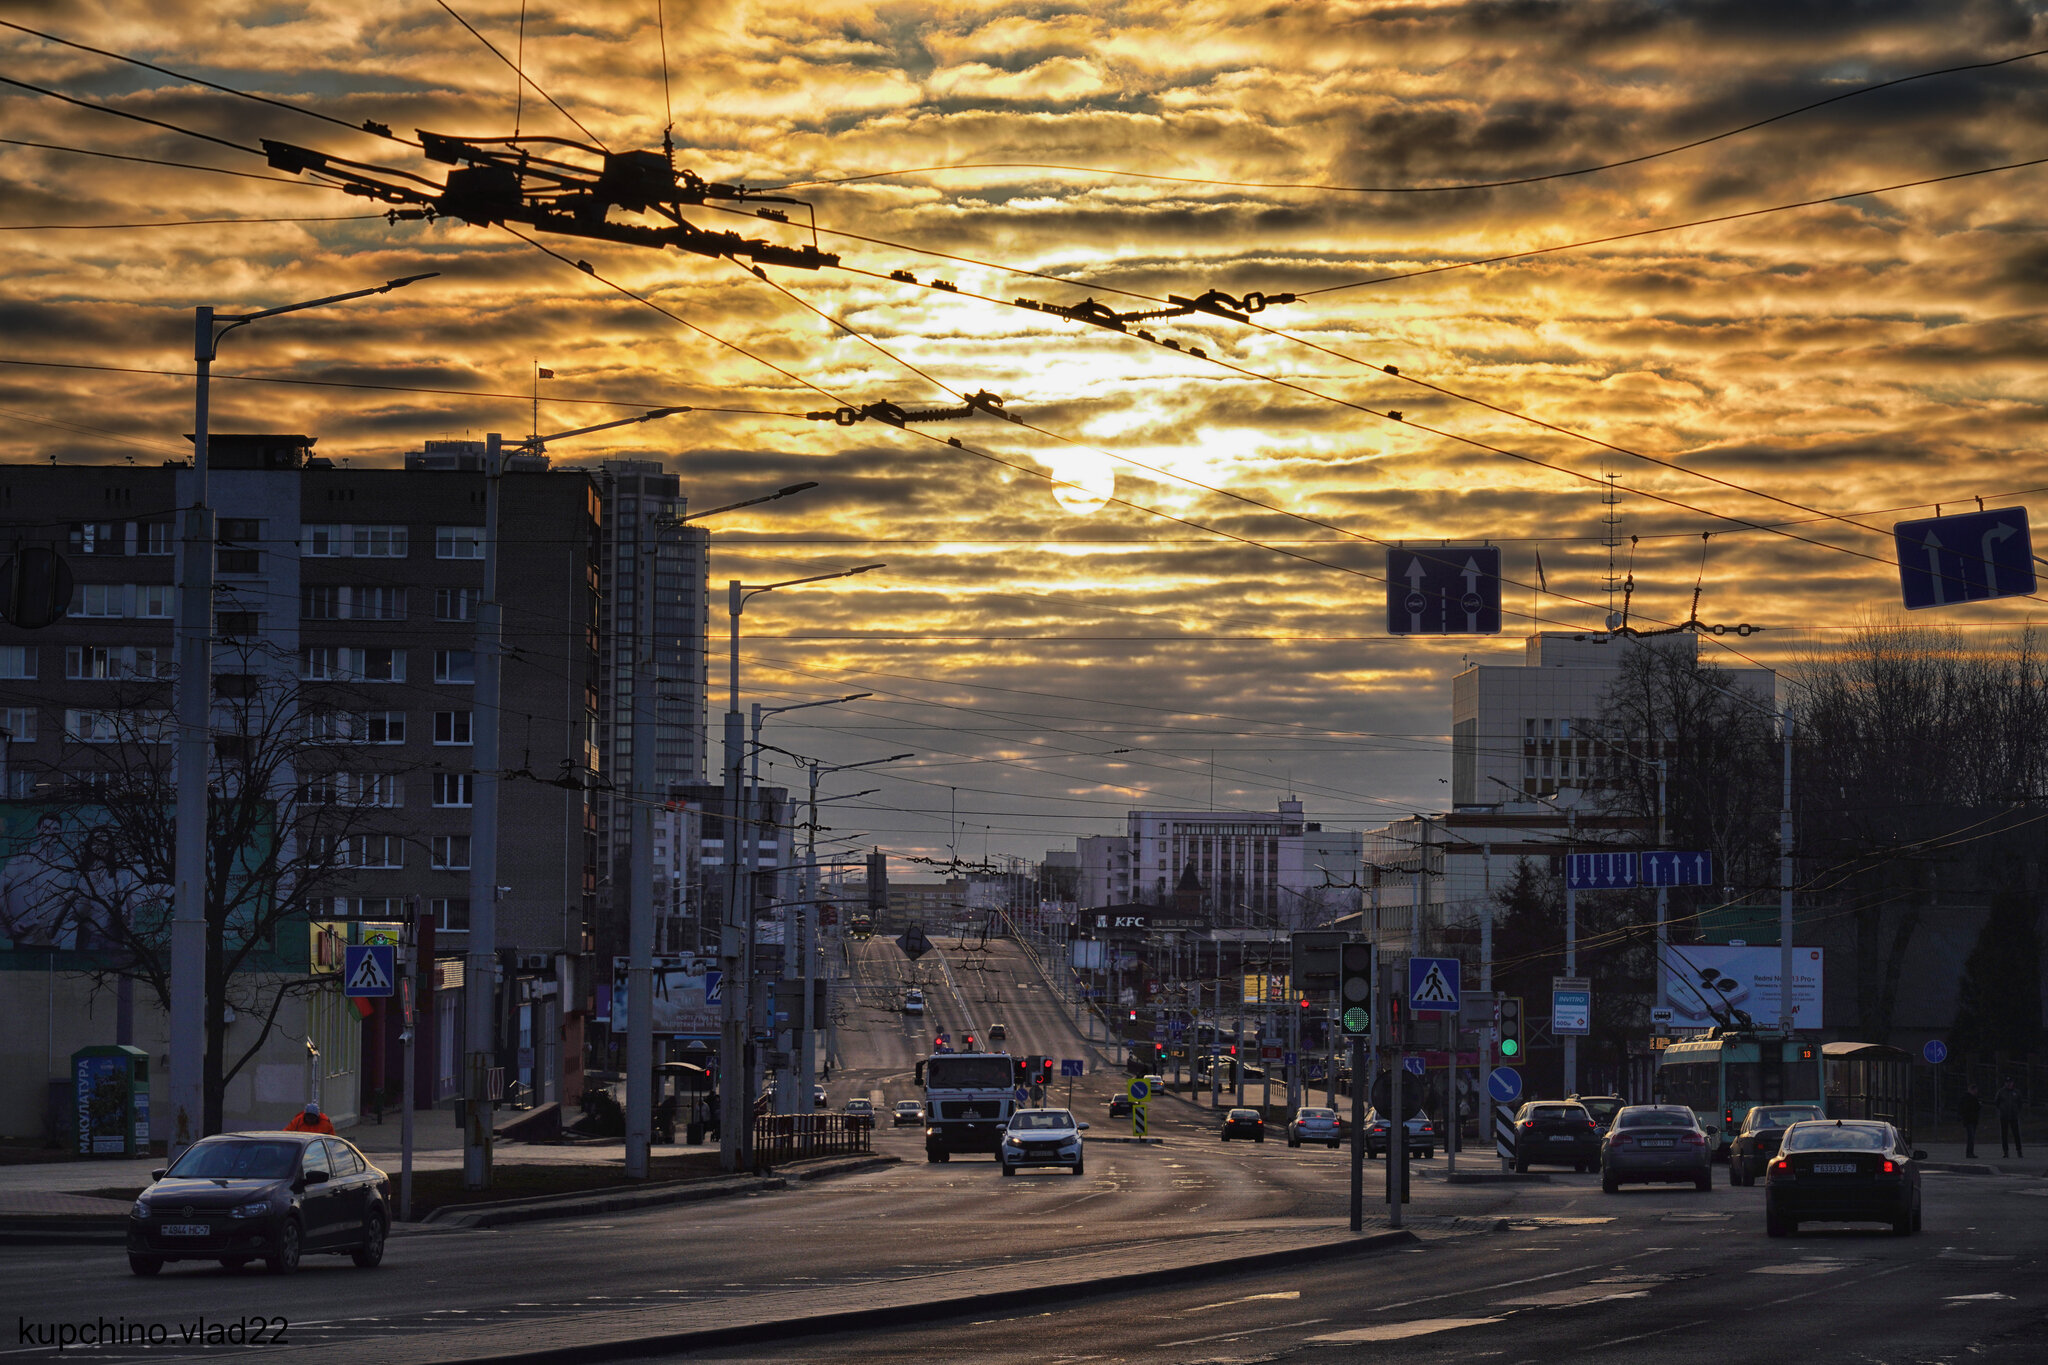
(62, 875)
(686, 995)
(1746, 979)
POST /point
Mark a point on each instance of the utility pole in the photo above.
(640, 921)
(1571, 950)
(479, 975)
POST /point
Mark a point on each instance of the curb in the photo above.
(1131, 1141)
(1975, 1168)
(908, 1315)
(58, 1231)
(508, 1212)
(1496, 1177)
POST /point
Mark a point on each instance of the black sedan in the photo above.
(1119, 1106)
(1842, 1172)
(1244, 1123)
(1762, 1129)
(238, 1196)
(1655, 1142)
(1556, 1134)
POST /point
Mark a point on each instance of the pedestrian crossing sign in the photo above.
(369, 969)
(1433, 984)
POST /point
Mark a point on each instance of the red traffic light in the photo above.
(1134, 1016)
(1304, 1004)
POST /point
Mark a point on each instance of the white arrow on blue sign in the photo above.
(1599, 871)
(1967, 558)
(1504, 1084)
(1414, 1066)
(1072, 1066)
(1443, 590)
(1433, 984)
(1672, 868)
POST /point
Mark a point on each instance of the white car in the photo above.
(913, 1002)
(1041, 1137)
(1315, 1125)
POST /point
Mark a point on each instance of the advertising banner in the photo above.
(1699, 975)
(686, 995)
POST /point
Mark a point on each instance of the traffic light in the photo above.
(1354, 989)
(1023, 1070)
(1134, 1016)
(1511, 1028)
(968, 1043)
(1045, 1071)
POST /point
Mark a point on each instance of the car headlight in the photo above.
(255, 1210)
(140, 1208)
(1011, 1140)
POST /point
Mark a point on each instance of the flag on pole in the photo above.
(1539, 561)
(547, 374)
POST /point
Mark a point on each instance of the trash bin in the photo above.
(110, 1100)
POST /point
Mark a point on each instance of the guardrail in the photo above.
(782, 1138)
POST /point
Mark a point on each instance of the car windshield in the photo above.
(968, 1073)
(906, 1106)
(1781, 1118)
(232, 1160)
(1318, 1113)
(1559, 1113)
(1646, 1117)
(1244, 1113)
(1838, 1137)
(1603, 1111)
(861, 1105)
(1032, 1119)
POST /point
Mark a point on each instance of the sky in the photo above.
(1160, 585)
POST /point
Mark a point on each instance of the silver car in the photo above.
(1041, 1137)
(1656, 1142)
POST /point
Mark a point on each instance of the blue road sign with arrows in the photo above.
(1669, 868)
(1443, 590)
(1599, 871)
(1504, 1083)
(1967, 558)
(1071, 1066)
(1433, 984)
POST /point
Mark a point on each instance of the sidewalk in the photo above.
(1948, 1156)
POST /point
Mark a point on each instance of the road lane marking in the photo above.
(1572, 1298)
(1250, 1298)
(1400, 1331)
(1246, 1332)
(1816, 1266)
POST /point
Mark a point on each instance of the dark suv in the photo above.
(1556, 1133)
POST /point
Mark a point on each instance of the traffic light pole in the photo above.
(1357, 1135)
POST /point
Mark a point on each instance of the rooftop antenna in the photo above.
(1611, 538)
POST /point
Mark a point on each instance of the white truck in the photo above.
(968, 1097)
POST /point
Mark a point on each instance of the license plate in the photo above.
(1560, 1137)
(185, 1229)
(1834, 1168)
(1660, 1142)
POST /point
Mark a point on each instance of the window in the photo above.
(153, 600)
(323, 790)
(90, 727)
(239, 624)
(383, 665)
(238, 561)
(321, 542)
(99, 599)
(362, 542)
(372, 851)
(458, 542)
(341, 602)
(20, 724)
(337, 663)
(320, 602)
(17, 661)
(156, 539)
(455, 604)
(454, 666)
(238, 531)
(101, 662)
(450, 852)
(454, 789)
(378, 604)
(383, 727)
(379, 789)
(235, 686)
(99, 537)
(451, 914)
(452, 727)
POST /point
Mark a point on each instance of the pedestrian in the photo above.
(2008, 1102)
(310, 1120)
(1970, 1109)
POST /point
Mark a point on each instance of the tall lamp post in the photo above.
(640, 912)
(736, 939)
(194, 703)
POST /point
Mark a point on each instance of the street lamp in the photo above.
(194, 703)
(736, 939)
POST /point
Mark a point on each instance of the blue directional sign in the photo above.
(1287, 1059)
(1967, 558)
(1599, 871)
(1414, 1066)
(1433, 984)
(369, 970)
(1668, 868)
(1443, 590)
(1504, 1083)
(1021, 1095)
(1072, 1066)
(713, 994)
(1935, 1051)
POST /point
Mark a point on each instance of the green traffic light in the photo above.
(1509, 1047)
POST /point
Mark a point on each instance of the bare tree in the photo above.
(292, 815)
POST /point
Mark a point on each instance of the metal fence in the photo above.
(780, 1138)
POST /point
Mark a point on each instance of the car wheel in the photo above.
(1429, 1153)
(371, 1253)
(1521, 1166)
(1079, 1167)
(1333, 1146)
(231, 1264)
(1293, 1142)
(945, 1158)
(285, 1259)
(1608, 1183)
(1916, 1214)
(1008, 1169)
(145, 1265)
(1705, 1180)
(1902, 1226)
(1260, 1138)
(1775, 1225)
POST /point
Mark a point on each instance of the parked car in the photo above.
(1556, 1133)
(1315, 1125)
(1656, 1142)
(907, 1112)
(236, 1197)
(860, 1113)
(1119, 1106)
(1603, 1108)
(1841, 1171)
(913, 1002)
(1762, 1130)
(1421, 1135)
(1244, 1123)
(1041, 1137)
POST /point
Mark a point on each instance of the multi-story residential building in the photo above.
(347, 599)
(1251, 868)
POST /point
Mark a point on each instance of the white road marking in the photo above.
(1571, 1298)
(1978, 1298)
(1251, 1298)
(1246, 1332)
(1814, 1267)
(1400, 1331)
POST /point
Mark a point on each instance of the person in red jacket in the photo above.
(310, 1121)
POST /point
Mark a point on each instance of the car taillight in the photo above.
(1591, 1124)
(1889, 1168)
(1528, 1123)
(1696, 1139)
(1783, 1163)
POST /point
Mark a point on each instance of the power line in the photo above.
(181, 222)
(1426, 189)
(123, 113)
(158, 161)
(524, 78)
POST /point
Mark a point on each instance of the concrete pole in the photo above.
(479, 976)
(807, 1039)
(640, 908)
(194, 707)
(735, 1105)
(1785, 955)
(1663, 892)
